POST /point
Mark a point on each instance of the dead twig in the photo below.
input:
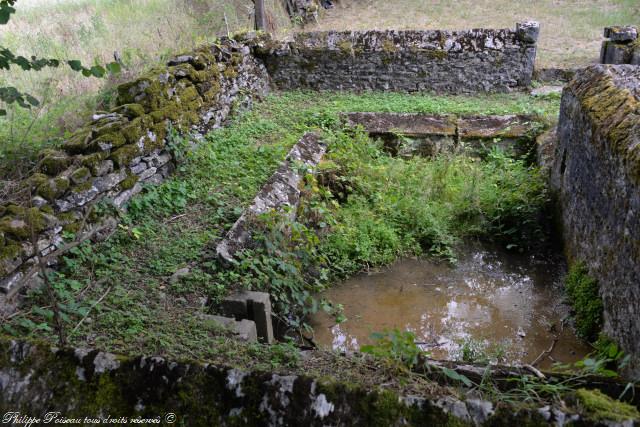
(90, 308)
(547, 352)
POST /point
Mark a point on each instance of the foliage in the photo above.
(396, 207)
(400, 348)
(395, 345)
(176, 225)
(607, 360)
(478, 351)
(10, 95)
(583, 294)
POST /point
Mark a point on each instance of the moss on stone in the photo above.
(108, 141)
(136, 129)
(10, 251)
(36, 180)
(53, 162)
(53, 188)
(81, 188)
(436, 54)
(123, 156)
(583, 293)
(601, 407)
(22, 222)
(129, 182)
(80, 175)
(171, 111)
(389, 47)
(614, 112)
(230, 72)
(78, 142)
(131, 111)
(346, 47)
(93, 161)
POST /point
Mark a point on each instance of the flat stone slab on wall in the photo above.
(440, 61)
(408, 134)
(596, 175)
(279, 193)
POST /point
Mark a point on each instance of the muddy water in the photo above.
(509, 305)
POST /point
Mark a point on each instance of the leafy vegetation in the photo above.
(584, 296)
(177, 224)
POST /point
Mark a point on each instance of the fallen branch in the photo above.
(548, 351)
(73, 331)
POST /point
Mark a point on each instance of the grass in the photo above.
(571, 31)
(142, 33)
(178, 223)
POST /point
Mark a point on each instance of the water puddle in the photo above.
(493, 302)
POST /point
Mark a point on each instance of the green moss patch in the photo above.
(584, 296)
(601, 407)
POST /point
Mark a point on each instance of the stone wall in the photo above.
(596, 174)
(74, 384)
(122, 150)
(622, 46)
(439, 61)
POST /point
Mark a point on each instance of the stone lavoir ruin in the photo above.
(592, 160)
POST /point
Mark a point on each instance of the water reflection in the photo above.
(505, 300)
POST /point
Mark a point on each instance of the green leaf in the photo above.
(31, 100)
(75, 65)
(5, 13)
(97, 71)
(86, 72)
(456, 376)
(3, 112)
(113, 67)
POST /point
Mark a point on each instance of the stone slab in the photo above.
(244, 329)
(403, 123)
(511, 126)
(255, 306)
(279, 193)
(621, 33)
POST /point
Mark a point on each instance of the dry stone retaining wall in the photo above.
(122, 150)
(596, 175)
(439, 61)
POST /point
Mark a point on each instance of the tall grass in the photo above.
(141, 33)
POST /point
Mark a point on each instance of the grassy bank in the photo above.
(140, 33)
(176, 225)
(571, 31)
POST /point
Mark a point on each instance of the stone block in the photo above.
(244, 329)
(403, 124)
(615, 53)
(255, 306)
(621, 33)
(528, 31)
(486, 127)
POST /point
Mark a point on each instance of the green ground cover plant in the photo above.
(583, 293)
(121, 295)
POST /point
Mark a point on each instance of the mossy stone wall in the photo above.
(121, 150)
(596, 176)
(37, 379)
(439, 61)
